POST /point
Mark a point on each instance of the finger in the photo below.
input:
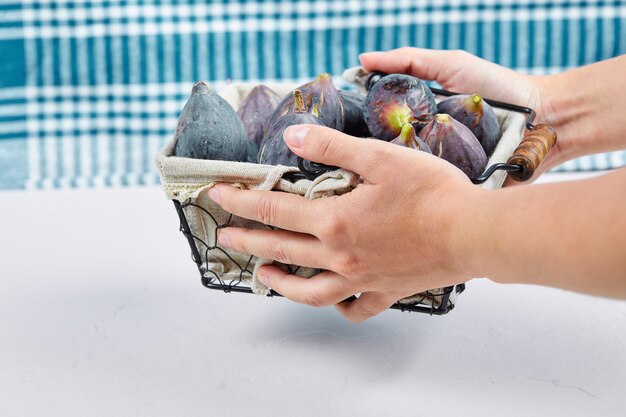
(284, 210)
(331, 147)
(323, 289)
(428, 64)
(366, 306)
(279, 245)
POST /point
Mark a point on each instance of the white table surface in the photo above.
(102, 314)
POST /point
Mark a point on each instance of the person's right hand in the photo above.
(463, 72)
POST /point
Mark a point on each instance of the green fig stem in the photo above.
(298, 102)
(407, 135)
(399, 117)
(477, 101)
(442, 118)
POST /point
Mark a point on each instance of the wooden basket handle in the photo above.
(532, 151)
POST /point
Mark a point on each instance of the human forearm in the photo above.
(566, 235)
(585, 106)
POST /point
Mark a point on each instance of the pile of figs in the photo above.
(398, 108)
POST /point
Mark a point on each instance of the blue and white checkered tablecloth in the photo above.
(89, 90)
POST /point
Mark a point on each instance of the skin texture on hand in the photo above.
(581, 104)
(391, 237)
(458, 71)
(463, 72)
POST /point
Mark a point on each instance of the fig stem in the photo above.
(400, 117)
(476, 101)
(442, 118)
(407, 134)
(298, 102)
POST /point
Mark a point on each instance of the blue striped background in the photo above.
(89, 90)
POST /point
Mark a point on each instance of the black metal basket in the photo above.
(434, 302)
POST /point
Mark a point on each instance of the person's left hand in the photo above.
(400, 232)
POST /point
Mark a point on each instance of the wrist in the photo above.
(466, 231)
(546, 101)
(567, 107)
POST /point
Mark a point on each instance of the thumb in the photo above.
(331, 147)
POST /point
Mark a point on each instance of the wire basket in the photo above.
(530, 150)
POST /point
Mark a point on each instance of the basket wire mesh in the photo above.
(434, 302)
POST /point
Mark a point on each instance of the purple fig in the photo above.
(255, 111)
(452, 141)
(208, 128)
(328, 106)
(394, 101)
(274, 150)
(354, 117)
(477, 115)
(409, 139)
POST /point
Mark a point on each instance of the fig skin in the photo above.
(454, 142)
(409, 139)
(328, 107)
(354, 116)
(208, 128)
(274, 150)
(395, 100)
(477, 115)
(253, 153)
(255, 111)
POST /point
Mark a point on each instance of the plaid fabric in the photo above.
(89, 90)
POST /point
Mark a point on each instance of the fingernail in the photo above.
(294, 135)
(263, 277)
(223, 239)
(214, 194)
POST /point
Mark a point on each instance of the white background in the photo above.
(102, 314)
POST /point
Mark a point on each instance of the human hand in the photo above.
(463, 72)
(398, 233)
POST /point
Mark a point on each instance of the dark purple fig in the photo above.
(354, 117)
(452, 141)
(328, 106)
(477, 115)
(274, 150)
(409, 139)
(394, 101)
(255, 111)
(208, 128)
